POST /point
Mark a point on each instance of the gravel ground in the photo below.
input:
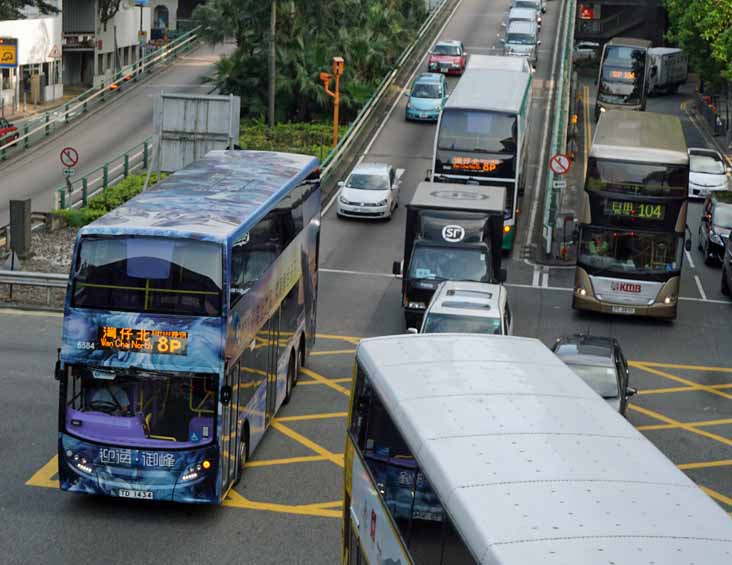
(50, 253)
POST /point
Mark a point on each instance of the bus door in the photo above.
(273, 342)
(230, 430)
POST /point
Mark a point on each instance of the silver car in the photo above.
(708, 172)
(522, 39)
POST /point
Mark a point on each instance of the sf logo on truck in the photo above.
(453, 233)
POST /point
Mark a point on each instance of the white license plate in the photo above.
(623, 310)
(125, 493)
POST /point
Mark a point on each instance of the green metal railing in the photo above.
(37, 128)
(77, 193)
(560, 125)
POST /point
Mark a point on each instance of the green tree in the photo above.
(11, 9)
(703, 28)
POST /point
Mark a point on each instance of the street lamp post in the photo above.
(338, 65)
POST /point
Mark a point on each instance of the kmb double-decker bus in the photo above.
(482, 132)
(633, 216)
(623, 79)
(188, 313)
(466, 448)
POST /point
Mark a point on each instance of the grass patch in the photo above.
(106, 201)
(310, 139)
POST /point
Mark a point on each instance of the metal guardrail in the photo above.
(34, 130)
(77, 193)
(560, 124)
(51, 280)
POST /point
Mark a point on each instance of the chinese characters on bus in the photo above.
(143, 340)
(641, 210)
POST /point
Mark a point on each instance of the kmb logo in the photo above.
(625, 287)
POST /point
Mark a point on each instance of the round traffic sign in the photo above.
(560, 164)
(69, 157)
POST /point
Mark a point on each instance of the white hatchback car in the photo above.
(370, 191)
(707, 172)
(468, 307)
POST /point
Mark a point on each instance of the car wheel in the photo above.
(707, 260)
(725, 284)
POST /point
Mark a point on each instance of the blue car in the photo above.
(427, 98)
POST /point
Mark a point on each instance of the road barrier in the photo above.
(36, 129)
(560, 124)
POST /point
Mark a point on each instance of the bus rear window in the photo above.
(148, 274)
(641, 179)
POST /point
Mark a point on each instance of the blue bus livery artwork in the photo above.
(188, 314)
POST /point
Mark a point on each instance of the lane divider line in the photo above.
(699, 287)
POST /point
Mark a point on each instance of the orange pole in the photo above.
(336, 101)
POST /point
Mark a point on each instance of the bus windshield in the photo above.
(641, 179)
(630, 252)
(449, 263)
(477, 131)
(148, 274)
(521, 38)
(145, 409)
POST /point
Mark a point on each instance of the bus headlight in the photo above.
(669, 300)
(603, 109)
(80, 462)
(581, 291)
(195, 471)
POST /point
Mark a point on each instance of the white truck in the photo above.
(669, 69)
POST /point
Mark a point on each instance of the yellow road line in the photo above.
(236, 500)
(343, 380)
(678, 389)
(286, 461)
(322, 416)
(44, 477)
(717, 496)
(350, 338)
(687, 382)
(325, 381)
(685, 367)
(333, 352)
(310, 444)
(334, 504)
(705, 464)
(678, 424)
(699, 424)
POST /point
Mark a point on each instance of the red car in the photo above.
(448, 57)
(8, 132)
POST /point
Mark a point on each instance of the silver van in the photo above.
(522, 39)
(521, 15)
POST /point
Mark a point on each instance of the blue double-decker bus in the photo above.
(188, 314)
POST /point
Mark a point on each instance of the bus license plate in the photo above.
(623, 310)
(145, 494)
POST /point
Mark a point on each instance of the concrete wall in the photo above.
(127, 22)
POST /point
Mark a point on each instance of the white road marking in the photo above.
(545, 277)
(689, 259)
(536, 276)
(545, 137)
(399, 96)
(699, 286)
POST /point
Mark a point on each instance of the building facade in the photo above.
(601, 20)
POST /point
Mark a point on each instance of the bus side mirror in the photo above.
(427, 175)
(225, 394)
(630, 391)
(687, 245)
(502, 275)
(57, 371)
(396, 268)
(412, 331)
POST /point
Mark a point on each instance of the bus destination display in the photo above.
(472, 164)
(143, 340)
(625, 75)
(640, 210)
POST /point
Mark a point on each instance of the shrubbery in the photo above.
(310, 139)
(106, 201)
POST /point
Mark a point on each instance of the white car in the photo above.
(370, 191)
(586, 51)
(468, 307)
(708, 172)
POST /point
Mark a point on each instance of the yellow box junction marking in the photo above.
(325, 381)
(696, 386)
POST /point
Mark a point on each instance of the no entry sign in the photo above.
(69, 157)
(560, 164)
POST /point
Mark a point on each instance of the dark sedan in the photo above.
(600, 362)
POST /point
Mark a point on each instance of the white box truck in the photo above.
(669, 69)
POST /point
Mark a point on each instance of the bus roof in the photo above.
(498, 62)
(640, 136)
(477, 90)
(212, 198)
(630, 42)
(530, 463)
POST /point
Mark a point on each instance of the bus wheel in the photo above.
(243, 454)
(299, 354)
(290, 379)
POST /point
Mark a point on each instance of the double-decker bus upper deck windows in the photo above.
(148, 274)
(641, 179)
(478, 132)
